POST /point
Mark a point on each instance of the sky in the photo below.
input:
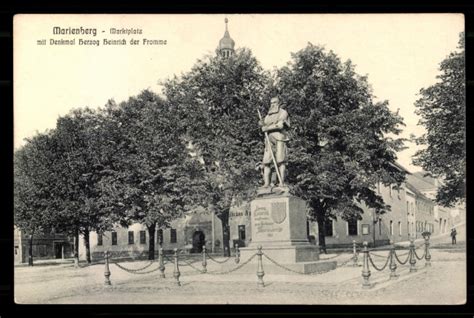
(400, 54)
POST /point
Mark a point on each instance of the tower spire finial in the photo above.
(226, 21)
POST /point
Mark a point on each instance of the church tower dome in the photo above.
(226, 44)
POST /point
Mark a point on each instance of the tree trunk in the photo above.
(151, 244)
(87, 245)
(30, 250)
(321, 232)
(76, 249)
(224, 217)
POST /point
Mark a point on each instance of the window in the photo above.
(365, 229)
(99, 240)
(380, 226)
(391, 227)
(130, 237)
(408, 228)
(352, 227)
(400, 228)
(173, 236)
(142, 237)
(114, 238)
(328, 227)
(242, 232)
(159, 236)
(408, 208)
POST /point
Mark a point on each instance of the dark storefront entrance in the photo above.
(199, 240)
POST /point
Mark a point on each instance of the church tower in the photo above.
(226, 44)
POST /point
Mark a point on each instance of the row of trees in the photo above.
(152, 160)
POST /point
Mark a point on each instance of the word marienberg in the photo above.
(69, 30)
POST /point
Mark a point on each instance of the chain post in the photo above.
(107, 270)
(393, 262)
(427, 251)
(204, 262)
(176, 272)
(412, 256)
(260, 272)
(237, 254)
(365, 268)
(354, 251)
(162, 263)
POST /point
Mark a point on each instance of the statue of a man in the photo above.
(276, 125)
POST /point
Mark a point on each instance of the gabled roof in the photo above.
(421, 182)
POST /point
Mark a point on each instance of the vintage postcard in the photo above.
(239, 159)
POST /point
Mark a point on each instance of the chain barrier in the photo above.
(195, 268)
(186, 263)
(216, 261)
(379, 268)
(130, 270)
(180, 264)
(398, 260)
(134, 271)
(419, 258)
(235, 268)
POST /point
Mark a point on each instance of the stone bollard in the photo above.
(365, 268)
(393, 262)
(107, 270)
(260, 272)
(237, 254)
(176, 272)
(412, 256)
(427, 251)
(354, 251)
(204, 262)
(161, 262)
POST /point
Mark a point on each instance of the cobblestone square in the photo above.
(442, 283)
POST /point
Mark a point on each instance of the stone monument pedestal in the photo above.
(278, 224)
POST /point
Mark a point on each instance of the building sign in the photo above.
(239, 213)
(365, 229)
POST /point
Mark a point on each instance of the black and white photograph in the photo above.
(281, 159)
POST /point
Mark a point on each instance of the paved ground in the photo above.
(442, 283)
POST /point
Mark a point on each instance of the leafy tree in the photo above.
(442, 109)
(216, 103)
(340, 145)
(78, 164)
(151, 167)
(33, 200)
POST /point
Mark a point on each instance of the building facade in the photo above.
(45, 246)
(428, 186)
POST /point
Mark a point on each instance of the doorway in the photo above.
(58, 250)
(199, 239)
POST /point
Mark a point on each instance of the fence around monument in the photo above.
(392, 261)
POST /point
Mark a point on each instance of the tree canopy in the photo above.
(442, 109)
(217, 102)
(341, 144)
(150, 167)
